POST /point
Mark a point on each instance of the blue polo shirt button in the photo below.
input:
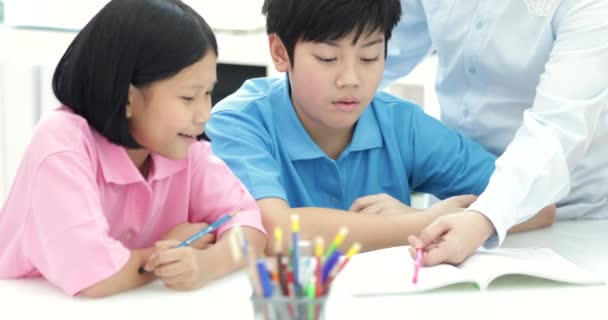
(334, 201)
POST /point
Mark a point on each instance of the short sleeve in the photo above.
(216, 191)
(444, 162)
(67, 234)
(245, 145)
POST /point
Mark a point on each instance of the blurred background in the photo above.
(35, 33)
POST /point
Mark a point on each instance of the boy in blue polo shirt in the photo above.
(322, 140)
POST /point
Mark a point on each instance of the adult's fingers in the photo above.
(441, 253)
(433, 232)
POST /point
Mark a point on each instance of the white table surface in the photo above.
(583, 242)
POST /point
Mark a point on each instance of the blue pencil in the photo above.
(201, 233)
(264, 278)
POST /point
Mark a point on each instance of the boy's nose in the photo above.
(349, 77)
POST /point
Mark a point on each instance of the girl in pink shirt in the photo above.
(112, 180)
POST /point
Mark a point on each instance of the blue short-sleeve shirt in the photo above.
(396, 149)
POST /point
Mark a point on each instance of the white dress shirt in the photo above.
(528, 79)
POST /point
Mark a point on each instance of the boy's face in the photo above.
(333, 82)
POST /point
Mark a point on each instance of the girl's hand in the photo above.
(178, 268)
(182, 231)
(380, 204)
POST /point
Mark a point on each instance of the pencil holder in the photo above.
(281, 307)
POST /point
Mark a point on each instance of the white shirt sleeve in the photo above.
(534, 171)
(409, 44)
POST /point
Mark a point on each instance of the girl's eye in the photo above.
(188, 98)
(327, 60)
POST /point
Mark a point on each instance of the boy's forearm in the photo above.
(543, 219)
(125, 279)
(372, 231)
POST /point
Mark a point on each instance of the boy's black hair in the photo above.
(328, 20)
(127, 42)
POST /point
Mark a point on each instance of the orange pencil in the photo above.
(354, 249)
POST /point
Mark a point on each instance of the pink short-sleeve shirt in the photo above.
(78, 204)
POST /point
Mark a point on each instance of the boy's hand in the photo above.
(380, 204)
(452, 238)
(182, 231)
(177, 268)
(453, 204)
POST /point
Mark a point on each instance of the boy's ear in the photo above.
(278, 52)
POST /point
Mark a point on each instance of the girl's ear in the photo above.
(278, 52)
(130, 98)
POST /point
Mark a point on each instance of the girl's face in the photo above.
(166, 116)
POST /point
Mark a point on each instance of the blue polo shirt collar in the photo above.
(298, 143)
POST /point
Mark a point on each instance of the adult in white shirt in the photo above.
(528, 79)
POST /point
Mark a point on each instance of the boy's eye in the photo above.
(369, 59)
(322, 59)
(188, 98)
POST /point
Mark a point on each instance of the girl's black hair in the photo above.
(128, 42)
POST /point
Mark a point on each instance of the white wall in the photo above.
(74, 14)
(28, 58)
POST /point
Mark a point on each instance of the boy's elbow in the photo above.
(275, 214)
(270, 222)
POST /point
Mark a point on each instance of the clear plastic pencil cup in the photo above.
(288, 308)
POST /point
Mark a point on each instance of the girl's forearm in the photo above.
(220, 254)
(125, 279)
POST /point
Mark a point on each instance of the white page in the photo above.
(389, 272)
(487, 265)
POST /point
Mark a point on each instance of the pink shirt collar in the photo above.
(118, 168)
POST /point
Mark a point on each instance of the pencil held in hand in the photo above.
(200, 234)
(419, 253)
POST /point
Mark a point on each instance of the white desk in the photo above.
(583, 242)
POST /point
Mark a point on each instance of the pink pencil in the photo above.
(419, 253)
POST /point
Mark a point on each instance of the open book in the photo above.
(389, 271)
